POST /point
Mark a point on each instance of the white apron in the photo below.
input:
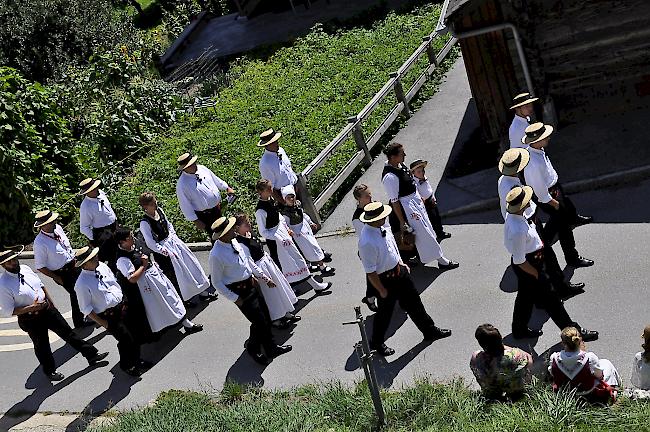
(293, 264)
(425, 237)
(306, 241)
(192, 280)
(161, 303)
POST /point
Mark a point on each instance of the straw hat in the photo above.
(287, 190)
(185, 160)
(88, 185)
(44, 217)
(84, 255)
(374, 211)
(418, 163)
(518, 198)
(522, 99)
(536, 132)
(514, 161)
(267, 137)
(222, 226)
(10, 253)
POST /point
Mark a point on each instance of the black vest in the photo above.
(272, 213)
(253, 245)
(159, 228)
(134, 256)
(406, 184)
(357, 213)
(295, 214)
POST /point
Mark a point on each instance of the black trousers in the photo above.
(434, 216)
(36, 325)
(257, 313)
(208, 217)
(127, 345)
(401, 290)
(552, 266)
(104, 239)
(69, 273)
(559, 223)
(536, 292)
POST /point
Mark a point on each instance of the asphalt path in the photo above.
(615, 303)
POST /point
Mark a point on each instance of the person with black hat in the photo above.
(275, 165)
(391, 279)
(101, 298)
(425, 190)
(234, 275)
(199, 193)
(97, 220)
(54, 257)
(524, 244)
(542, 177)
(23, 294)
(523, 106)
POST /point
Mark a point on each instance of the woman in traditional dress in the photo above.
(274, 229)
(171, 252)
(301, 224)
(162, 305)
(279, 299)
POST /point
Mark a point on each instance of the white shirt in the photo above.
(198, 191)
(540, 174)
(505, 184)
(95, 213)
(424, 188)
(517, 131)
(97, 290)
(378, 253)
(51, 252)
(520, 238)
(641, 372)
(19, 290)
(229, 264)
(276, 167)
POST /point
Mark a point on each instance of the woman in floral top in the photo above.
(501, 371)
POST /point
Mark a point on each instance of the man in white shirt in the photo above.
(275, 165)
(97, 220)
(100, 298)
(524, 110)
(54, 257)
(512, 165)
(391, 279)
(199, 193)
(542, 177)
(23, 294)
(234, 274)
(534, 287)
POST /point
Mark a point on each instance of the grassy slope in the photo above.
(424, 407)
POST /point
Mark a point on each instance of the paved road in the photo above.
(615, 303)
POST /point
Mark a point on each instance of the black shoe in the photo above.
(282, 323)
(580, 262)
(209, 297)
(321, 291)
(583, 220)
(97, 358)
(294, 318)
(145, 365)
(194, 329)
(575, 286)
(327, 271)
(570, 293)
(279, 350)
(372, 305)
(133, 371)
(588, 335)
(384, 350)
(450, 266)
(437, 333)
(328, 256)
(55, 376)
(313, 268)
(527, 334)
(442, 236)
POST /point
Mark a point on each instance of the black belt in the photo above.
(208, 214)
(555, 190)
(243, 288)
(69, 266)
(36, 314)
(113, 311)
(99, 234)
(536, 256)
(392, 273)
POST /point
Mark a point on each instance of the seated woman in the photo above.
(575, 368)
(501, 371)
(641, 369)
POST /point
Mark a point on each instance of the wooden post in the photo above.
(431, 54)
(307, 201)
(360, 140)
(399, 94)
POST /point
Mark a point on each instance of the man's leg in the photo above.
(383, 316)
(128, 348)
(260, 330)
(36, 329)
(409, 300)
(558, 224)
(434, 218)
(524, 302)
(58, 325)
(547, 299)
(69, 280)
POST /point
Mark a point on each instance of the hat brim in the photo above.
(421, 164)
(387, 210)
(13, 255)
(231, 223)
(94, 186)
(190, 162)
(547, 133)
(54, 216)
(275, 137)
(510, 171)
(528, 195)
(90, 256)
(526, 102)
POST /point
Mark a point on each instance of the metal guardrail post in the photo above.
(360, 140)
(400, 95)
(307, 201)
(431, 53)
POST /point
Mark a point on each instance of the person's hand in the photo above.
(270, 283)
(383, 293)
(230, 191)
(103, 323)
(145, 260)
(290, 232)
(555, 203)
(239, 301)
(314, 227)
(408, 269)
(37, 306)
(200, 225)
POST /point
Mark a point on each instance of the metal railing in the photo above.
(354, 128)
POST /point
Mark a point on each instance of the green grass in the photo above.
(426, 406)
